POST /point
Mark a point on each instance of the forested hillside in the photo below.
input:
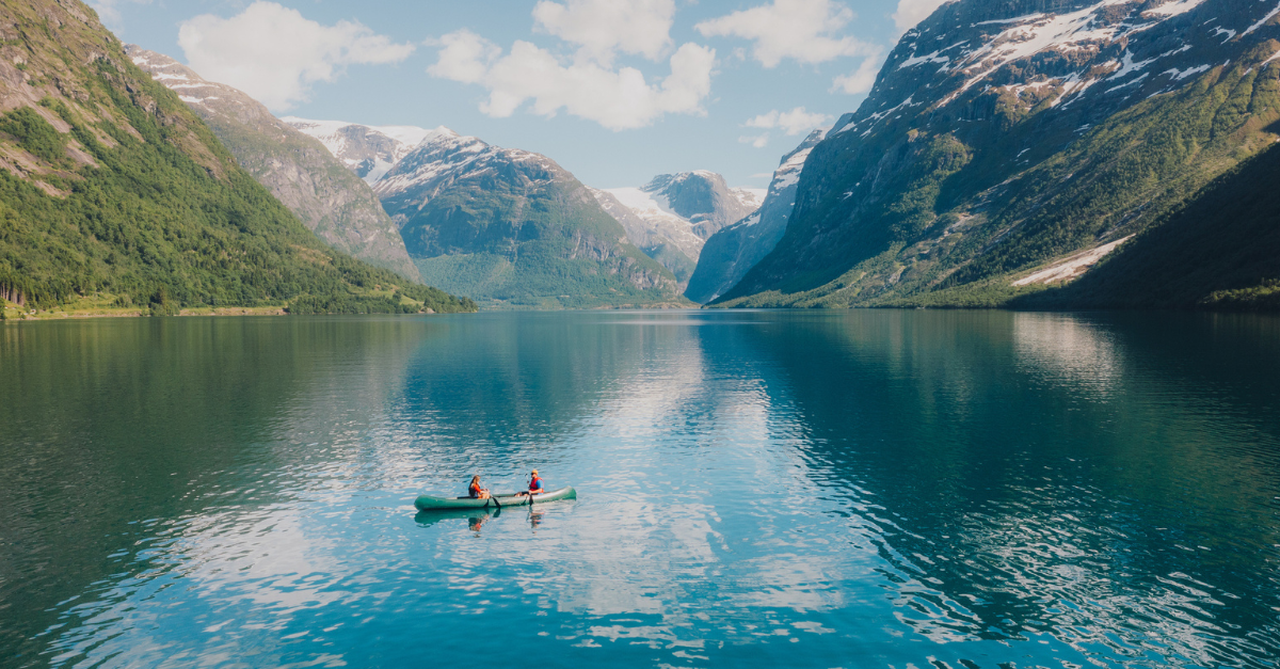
(110, 186)
(299, 171)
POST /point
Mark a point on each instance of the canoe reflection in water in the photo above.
(474, 517)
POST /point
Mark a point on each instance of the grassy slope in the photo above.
(161, 216)
(1124, 176)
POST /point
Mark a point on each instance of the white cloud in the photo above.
(757, 141)
(464, 56)
(862, 79)
(275, 54)
(792, 122)
(803, 30)
(602, 27)
(911, 12)
(616, 99)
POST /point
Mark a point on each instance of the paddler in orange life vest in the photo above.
(475, 491)
(535, 484)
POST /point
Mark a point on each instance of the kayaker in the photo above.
(475, 491)
(535, 484)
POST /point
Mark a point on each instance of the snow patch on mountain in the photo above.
(370, 151)
(438, 157)
(1072, 266)
(1087, 29)
(750, 197)
(647, 204)
(1179, 75)
(1175, 8)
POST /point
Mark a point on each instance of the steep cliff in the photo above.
(331, 201)
(1007, 147)
(733, 250)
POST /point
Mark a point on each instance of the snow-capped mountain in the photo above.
(337, 206)
(513, 227)
(733, 250)
(1003, 137)
(671, 217)
(700, 200)
(503, 226)
(446, 159)
(369, 151)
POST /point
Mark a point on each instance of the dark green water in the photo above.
(864, 489)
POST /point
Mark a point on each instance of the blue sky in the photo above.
(616, 91)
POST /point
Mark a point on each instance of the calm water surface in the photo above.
(756, 489)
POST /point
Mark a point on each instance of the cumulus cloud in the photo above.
(862, 79)
(911, 12)
(803, 30)
(792, 122)
(757, 141)
(616, 99)
(275, 54)
(602, 27)
(464, 56)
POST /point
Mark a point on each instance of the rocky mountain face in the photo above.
(733, 250)
(1009, 147)
(513, 228)
(113, 193)
(671, 217)
(340, 208)
(369, 151)
(702, 198)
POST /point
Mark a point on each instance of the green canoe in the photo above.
(427, 502)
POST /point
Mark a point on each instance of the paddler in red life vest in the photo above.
(535, 484)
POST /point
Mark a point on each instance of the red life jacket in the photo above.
(475, 490)
(535, 483)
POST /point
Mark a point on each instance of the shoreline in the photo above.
(19, 315)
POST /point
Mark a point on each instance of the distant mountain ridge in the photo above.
(340, 209)
(369, 151)
(1004, 138)
(504, 226)
(671, 216)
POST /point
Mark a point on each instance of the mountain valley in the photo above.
(671, 216)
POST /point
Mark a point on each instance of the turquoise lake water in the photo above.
(755, 489)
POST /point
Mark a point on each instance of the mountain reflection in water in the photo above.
(870, 488)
